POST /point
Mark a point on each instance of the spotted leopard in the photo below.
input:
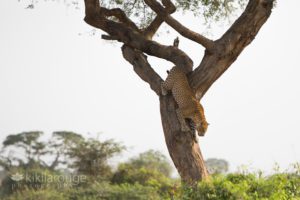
(188, 106)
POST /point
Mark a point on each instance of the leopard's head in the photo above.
(201, 125)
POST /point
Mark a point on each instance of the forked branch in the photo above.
(230, 45)
(158, 20)
(120, 15)
(96, 16)
(181, 29)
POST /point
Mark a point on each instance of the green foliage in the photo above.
(153, 160)
(27, 143)
(283, 186)
(22, 138)
(150, 168)
(34, 178)
(144, 176)
(106, 191)
(49, 194)
(91, 157)
(86, 156)
(68, 138)
(209, 10)
(97, 191)
(246, 187)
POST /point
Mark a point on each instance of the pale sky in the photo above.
(55, 76)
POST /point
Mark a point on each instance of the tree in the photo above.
(90, 157)
(118, 19)
(150, 168)
(33, 151)
(219, 55)
(61, 143)
(153, 160)
(86, 156)
(216, 166)
(149, 163)
(29, 144)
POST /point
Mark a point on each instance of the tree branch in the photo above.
(142, 68)
(230, 45)
(134, 39)
(156, 23)
(108, 37)
(184, 31)
(118, 13)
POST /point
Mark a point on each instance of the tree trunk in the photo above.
(183, 148)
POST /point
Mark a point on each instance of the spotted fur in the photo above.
(188, 106)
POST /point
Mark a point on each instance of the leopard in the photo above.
(188, 106)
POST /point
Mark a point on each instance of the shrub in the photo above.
(282, 186)
(31, 194)
(106, 191)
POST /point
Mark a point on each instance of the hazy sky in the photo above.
(55, 76)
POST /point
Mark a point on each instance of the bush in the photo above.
(281, 186)
(36, 178)
(97, 191)
(126, 192)
(31, 194)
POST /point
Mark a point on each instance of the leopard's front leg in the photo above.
(181, 119)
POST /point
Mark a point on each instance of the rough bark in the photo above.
(219, 55)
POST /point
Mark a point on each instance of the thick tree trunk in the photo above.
(183, 148)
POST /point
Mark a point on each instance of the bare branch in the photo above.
(184, 31)
(230, 45)
(108, 37)
(142, 68)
